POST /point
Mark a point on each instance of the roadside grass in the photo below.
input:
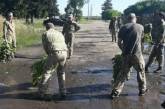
(85, 21)
(38, 23)
(28, 35)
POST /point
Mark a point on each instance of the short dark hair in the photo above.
(49, 25)
(162, 14)
(9, 14)
(131, 16)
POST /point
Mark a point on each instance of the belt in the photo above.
(60, 51)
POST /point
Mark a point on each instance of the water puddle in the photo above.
(94, 70)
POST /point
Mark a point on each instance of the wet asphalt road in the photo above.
(88, 77)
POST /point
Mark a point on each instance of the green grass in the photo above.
(85, 21)
(38, 23)
(28, 35)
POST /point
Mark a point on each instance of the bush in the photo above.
(117, 65)
(6, 52)
(146, 7)
(147, 38)
(38, 70)
(108, 14)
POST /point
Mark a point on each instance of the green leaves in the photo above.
(146, 7)
(147, 38)
(117, 64)
(37, 71)
(38, 68)
(6, 52)
(109, 14)
(77, 5)
(22, 8)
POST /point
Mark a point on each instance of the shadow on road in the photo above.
(27, 56)
(74, 93)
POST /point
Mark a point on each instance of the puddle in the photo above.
(94, 70)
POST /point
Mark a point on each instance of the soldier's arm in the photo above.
(5, 31)
(110, 24)
(142, 34)
(120, 35)
(64, 29)
(44, 43)
(14, 42)
(120, 44)
(77, 27)
(14, 38)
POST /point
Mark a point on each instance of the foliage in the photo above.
(108, 14)
(6, 52)
(29, 8)
(117, 64)
(28, 35)
(38, 70)
(146, 7)
(147, 38)
(107, 5)
(77, 5)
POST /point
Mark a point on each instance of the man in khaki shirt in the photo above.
(56, 50)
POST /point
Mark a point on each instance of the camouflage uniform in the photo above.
(119, 22)
(68, 31)
(55, 47)
(9, 34)
(158, 34)
(113, 27)
(130, 36)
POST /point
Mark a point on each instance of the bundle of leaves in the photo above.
(38, 70)
(117, 64)
(147, 38)
(6, 52)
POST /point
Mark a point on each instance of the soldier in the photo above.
(119, 22)
(113, 27)
(56, 49)
(69, 28)
(158, 34)
(9, 34)
(129, 41)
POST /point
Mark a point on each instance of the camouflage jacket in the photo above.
(70, 27)
(53, 41)
(9, 34)
(158, 32)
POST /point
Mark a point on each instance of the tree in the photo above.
(108, 12)
(146, 7)
(53, 8)
(77, 5)
(29, 8)
(107, 5)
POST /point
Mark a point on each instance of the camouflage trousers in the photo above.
(128, 62)
(55, 62)
(158, 53)
(114, 35)
(69, 40)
